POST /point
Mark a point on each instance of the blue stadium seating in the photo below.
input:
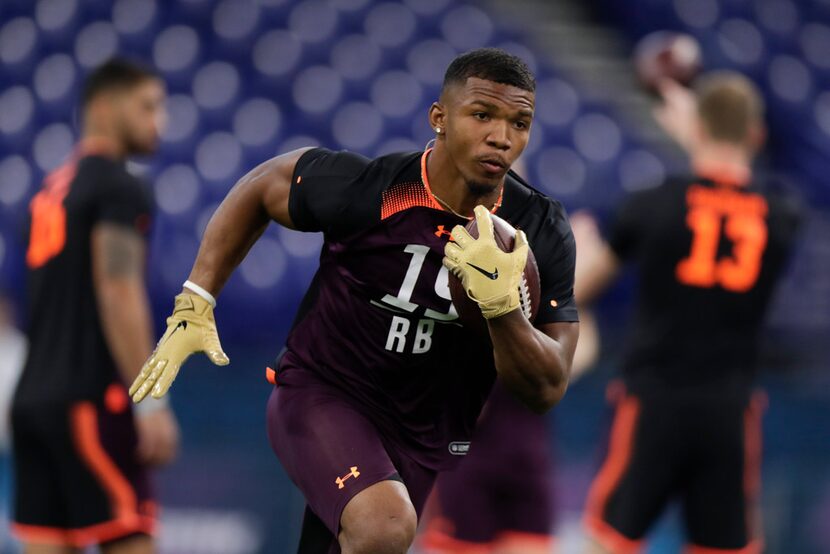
(250, 79)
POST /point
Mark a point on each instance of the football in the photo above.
(667, 55)
(529, 290)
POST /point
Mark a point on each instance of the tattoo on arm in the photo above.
(122, 251)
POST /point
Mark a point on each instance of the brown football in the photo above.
(529, 290)
(667, 55)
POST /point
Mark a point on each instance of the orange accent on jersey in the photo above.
(745, 226)
(48, 232)
(403, 196)
(440, 231)
(353, 472)
(612, 471)
(554, 304)
(271, 375)
(115, 398)
(299, 179)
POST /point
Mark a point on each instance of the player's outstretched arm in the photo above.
(255, 200)
(534, 363)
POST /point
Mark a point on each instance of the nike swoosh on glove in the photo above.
(490, 276)
(190, 329)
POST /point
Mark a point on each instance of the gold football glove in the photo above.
(191, 328)
(490, 276)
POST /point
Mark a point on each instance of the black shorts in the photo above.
(701, 449)
(78, 480)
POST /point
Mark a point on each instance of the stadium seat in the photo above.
(250, 79)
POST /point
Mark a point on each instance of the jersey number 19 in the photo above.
(400, 328)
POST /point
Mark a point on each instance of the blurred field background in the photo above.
(248, 79)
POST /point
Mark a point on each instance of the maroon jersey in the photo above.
(378, 322)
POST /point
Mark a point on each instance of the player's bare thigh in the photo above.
(379, 520)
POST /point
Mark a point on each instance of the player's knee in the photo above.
(380, 520)
(382, 536)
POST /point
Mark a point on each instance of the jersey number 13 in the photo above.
(737, 272)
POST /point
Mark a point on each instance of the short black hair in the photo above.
(492, 64)
(114, 74)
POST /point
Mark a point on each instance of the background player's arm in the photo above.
(534, 363)
(596, 263)
(255, 200)
(118, 255)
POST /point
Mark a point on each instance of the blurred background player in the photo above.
(81, 457)
(709, 249)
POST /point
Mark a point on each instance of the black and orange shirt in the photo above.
(708, 255)
(68, 355)
(378, 322)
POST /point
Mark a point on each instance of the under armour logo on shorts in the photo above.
(353, 472)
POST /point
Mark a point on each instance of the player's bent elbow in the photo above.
(541, 398)
(537, 405)
(547, 398)
(113, 293)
